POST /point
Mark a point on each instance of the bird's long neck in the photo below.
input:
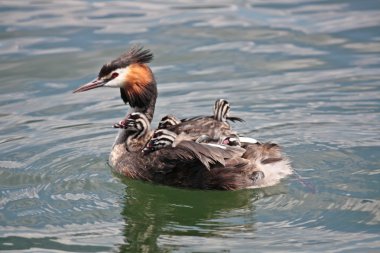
(148, 108)
(144, 102)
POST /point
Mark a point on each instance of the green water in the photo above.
(303, 74)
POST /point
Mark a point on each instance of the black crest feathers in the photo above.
(136, 54)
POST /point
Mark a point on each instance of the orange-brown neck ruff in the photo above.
(140, 86)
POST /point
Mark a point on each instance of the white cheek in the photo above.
(118, 82)
(115, 83)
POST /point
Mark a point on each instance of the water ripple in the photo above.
(304, 74)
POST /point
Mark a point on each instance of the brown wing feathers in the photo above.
(207, 154)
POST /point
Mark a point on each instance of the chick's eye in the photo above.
(114, 75)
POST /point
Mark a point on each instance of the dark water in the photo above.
(304, 74)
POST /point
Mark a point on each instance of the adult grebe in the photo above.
(131, 74)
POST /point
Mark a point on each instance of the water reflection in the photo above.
(154, 213)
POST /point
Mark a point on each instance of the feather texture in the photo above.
(136, 54)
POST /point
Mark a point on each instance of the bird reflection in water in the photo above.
(154, 214)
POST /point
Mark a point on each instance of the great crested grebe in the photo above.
(131, 74)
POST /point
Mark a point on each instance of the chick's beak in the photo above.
(96, 83)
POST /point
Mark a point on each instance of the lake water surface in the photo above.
(304, 74)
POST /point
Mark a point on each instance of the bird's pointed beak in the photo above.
(96, 83)
(148, 148)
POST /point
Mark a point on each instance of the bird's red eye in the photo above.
(114, 75)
